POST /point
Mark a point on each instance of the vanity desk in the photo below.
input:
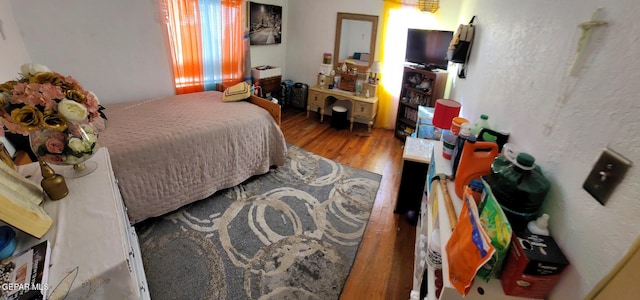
(361, 107)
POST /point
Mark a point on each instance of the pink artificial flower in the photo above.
(54, 159)
(12, 127)
(70, 80)
(75, 129)
(18, 88)
(58, 136)
(50, 92)
(35, 94)
(20, 94)
(92, 102)
(54, 145)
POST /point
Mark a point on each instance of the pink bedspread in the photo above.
(168, 152)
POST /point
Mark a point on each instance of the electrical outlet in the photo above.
(606, 174)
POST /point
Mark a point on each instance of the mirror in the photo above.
(355, 34)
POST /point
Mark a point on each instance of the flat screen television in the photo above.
(428, 47)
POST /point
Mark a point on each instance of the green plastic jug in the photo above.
(519, 187)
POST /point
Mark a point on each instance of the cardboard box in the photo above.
(325, 69)
(533, 266)
(265, 72)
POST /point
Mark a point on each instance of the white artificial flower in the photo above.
(78, 145)
(88, 129)
(72, 111)
(90, 137)
(72, 160)
(27, 69)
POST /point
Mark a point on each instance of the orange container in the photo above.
(475, 161)
(456, 123)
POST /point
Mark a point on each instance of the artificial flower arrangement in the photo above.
(61, 118)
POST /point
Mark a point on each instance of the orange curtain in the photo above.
(233, 54)
(184, 30)
(387, 94)
(183, 27)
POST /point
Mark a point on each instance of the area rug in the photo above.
(292, 233)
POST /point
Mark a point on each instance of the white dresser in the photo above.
(95, 251)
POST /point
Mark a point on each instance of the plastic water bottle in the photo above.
(519, 188)
(483, 122)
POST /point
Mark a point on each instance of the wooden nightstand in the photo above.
(416, 158)
(270, 86)
(94, 250)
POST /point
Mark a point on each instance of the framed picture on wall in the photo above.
(265, 24)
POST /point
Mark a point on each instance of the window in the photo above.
(206, 42)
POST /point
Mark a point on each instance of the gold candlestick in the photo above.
(53, 184)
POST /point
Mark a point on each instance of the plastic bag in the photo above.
(497, 226)
(469, 247)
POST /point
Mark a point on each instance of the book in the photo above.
(20, 201)
(23, 276)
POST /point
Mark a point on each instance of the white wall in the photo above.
(312, 29)
(114, 48)
(14, 52)
(518, 76)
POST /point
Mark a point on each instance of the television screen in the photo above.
(428, 47)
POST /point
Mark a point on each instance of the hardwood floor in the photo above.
(384, 264)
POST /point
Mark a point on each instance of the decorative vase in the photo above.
(72, 146)
(53, 184)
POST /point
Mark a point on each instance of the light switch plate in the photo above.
(606, 174)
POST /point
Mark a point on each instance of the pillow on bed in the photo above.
(237, 92)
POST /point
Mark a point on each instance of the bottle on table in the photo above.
(53, 184)
(483, 122)
(519, 187)
(464, 136)
(539, 226)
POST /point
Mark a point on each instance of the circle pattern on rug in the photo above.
(158, 255)
(295, 265)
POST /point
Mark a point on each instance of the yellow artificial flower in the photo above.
(52, 120)
(76, 96)
(4, 100)
(45, 77)
(7, 87)
(28, 117)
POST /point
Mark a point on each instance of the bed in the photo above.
(168, 152)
